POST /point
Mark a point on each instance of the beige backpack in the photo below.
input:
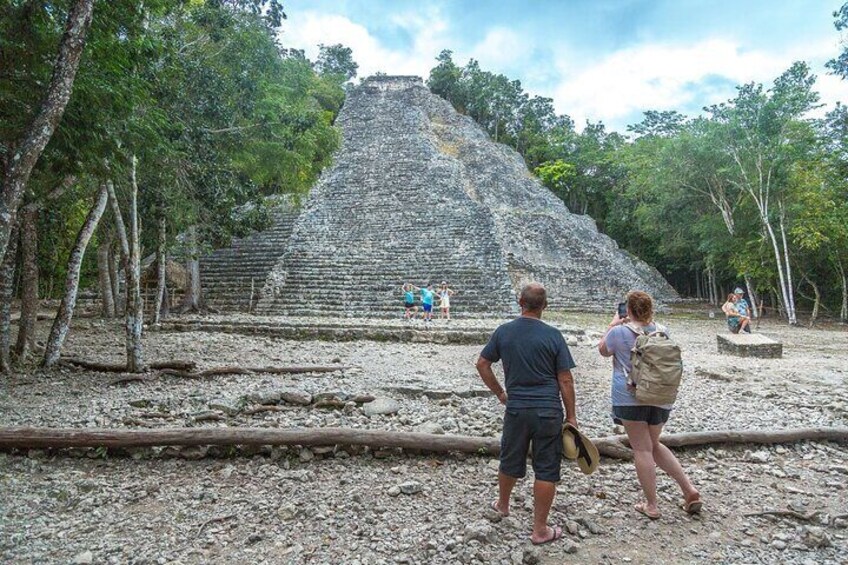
(656, 366)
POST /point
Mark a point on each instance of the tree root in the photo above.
(131, 378)
(212, 521)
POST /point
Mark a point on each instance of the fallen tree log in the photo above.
(122, 367)
(221, 371)
(613, 447)
(684, 439)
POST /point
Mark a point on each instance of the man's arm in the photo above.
(484, 368)
(566, 390)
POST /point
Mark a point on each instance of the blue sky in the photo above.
(606, 60)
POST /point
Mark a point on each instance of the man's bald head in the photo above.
(533, 298)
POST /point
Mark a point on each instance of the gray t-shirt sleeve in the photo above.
(564, 361)
(615, 339)
(492, 350)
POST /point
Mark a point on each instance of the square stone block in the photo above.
(749, 345)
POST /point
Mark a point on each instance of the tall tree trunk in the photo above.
(135, 306)
(790, 288)
(115, 276)
(29, 282)
(62, 322)
(28, 149)
(754, 300)
(161, 262)
(123, 244)
(193, 299)
(843, 312)
(698, 293)
(7, 288)
(816, 303)
(783, 295)
(104, 280)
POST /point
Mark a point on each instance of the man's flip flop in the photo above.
(693, 506)
(494, 506)
(557, 534)
(640, 508)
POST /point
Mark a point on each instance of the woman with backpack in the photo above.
(644, 422)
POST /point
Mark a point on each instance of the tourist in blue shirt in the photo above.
(408, 290)
(743, 308)
(427, 296)
(537, 373)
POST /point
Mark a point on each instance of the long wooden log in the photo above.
(35, 438)
(613, 446)
(292, 370)
(122, 367)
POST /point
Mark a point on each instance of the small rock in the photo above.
(815, 537)
(393, 491)
(480, 531)
(531, 556)
(306, 455)
(410, 487)
(569, 545)
(382, 405)
(761, 456)
(572, 527)
(263, 397)
(299, 397)
(225, 406)
(254, 538)
(193, 452)
(84, 558)
(287, 512)
(779, 544)
(431, 428)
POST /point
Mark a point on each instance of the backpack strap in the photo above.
(638, 330)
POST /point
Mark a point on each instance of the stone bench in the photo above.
(749, 345)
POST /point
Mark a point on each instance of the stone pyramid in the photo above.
(419, 193)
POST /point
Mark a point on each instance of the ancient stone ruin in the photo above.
(419, 193)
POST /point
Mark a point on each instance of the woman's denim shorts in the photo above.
(652, 415)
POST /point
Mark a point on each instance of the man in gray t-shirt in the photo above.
(537, 370)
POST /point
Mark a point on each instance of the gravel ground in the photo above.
(345, 505)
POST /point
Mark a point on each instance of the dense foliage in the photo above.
(218, 114)
(754, 192)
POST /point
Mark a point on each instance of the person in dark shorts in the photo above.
(537, 370)
(408, 290)
(427, 297)
(643, 423)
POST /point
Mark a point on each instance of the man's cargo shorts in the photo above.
(542, 426)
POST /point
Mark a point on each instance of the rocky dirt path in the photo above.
(333, 506)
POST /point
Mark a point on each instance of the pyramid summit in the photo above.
(419, 193)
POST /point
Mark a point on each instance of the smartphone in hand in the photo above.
(622, 310)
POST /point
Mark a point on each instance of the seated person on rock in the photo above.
(735, 321)
(743, 308)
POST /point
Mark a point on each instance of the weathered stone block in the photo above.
(749, 345)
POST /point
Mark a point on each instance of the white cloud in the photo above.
(500, 48)
(662, 76)
(306, 30)
(614, 88)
